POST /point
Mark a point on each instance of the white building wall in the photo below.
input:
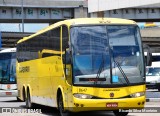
(103, 5)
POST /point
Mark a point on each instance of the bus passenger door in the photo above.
(68, 77)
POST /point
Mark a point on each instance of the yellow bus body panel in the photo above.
(103, 97)
(45, 76)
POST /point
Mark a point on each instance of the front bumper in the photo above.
(8, 93)
(101, 104)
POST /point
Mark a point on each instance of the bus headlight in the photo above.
(139, 94)
(82, 96)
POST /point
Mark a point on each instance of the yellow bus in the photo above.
(84, 64)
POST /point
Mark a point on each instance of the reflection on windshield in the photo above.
(125, 42)
(95, 47)
(7, 67)
(153, 71)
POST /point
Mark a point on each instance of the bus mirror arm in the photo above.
(149, 55)
(149, 59)
(65, 63)
(67, 56)
(67, 60)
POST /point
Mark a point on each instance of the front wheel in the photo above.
(61, 107)
(118, 113)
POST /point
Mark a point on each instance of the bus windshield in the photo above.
(8, 68)
(105, 55)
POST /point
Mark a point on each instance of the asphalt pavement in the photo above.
(153, 97)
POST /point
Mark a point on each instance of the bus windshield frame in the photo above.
(8, 68)
(107, 55)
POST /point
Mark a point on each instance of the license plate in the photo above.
(111, 105)
(8, 93)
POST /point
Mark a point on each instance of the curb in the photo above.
(153, 100)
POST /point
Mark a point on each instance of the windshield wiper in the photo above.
(100, 67)
(119, 67)
(121, 70)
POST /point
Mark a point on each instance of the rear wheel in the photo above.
(24, 95)
(28, 100)
(118, 113)
(61, 107)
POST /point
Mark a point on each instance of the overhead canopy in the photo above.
(9, 39)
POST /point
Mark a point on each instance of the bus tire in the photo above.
(61, 107)
(28, 100)
(24, 94)
(117, 113)
(19, 100)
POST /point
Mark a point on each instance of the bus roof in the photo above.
(81, 21)
(8, 50)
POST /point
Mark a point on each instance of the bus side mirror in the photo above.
(67, 56)
(149, 59)
(148, 55)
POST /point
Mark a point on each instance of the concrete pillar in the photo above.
(100, 14)
(80, 12)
